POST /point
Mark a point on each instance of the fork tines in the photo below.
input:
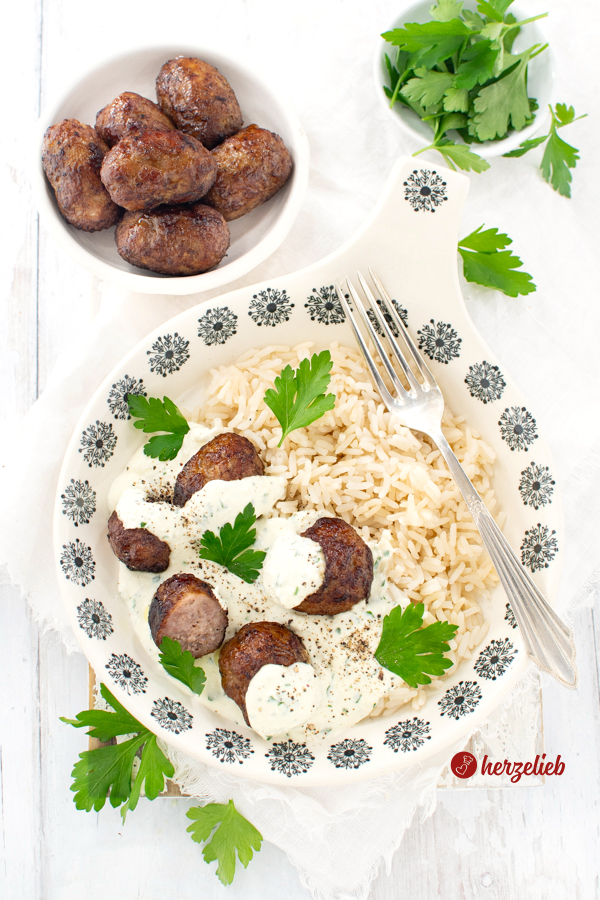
(382, 321)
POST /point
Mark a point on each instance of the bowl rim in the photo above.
(487, 149)
(175, 285)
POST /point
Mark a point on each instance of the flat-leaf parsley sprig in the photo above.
(486, 262)
(558, 156)
(181, 665)
(457, 72)
(109, 769)
(230, 548)
(159, 415)
(411, 651)
(233, 834)
(299, 397)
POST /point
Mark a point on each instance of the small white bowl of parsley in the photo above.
(472, 81)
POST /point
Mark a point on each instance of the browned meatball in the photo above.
(186, 609)
(138, 548)
(173, 240)
(129, 114)
(256, 645)
(145, 170)
(251, 167)
(228, 457)
(72, 156)
(348, 569)
(198, 99)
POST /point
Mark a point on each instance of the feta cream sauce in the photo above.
(306, 702)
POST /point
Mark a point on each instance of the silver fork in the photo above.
(548, 641)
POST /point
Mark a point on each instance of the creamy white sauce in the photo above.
(340, 647)
(280, 698)
(294, 567)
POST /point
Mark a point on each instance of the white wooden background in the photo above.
(534, 842)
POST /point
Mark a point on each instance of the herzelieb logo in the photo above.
(464, 765)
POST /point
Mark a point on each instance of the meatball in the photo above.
(228, 457)
(186, 609)
(251, 167)
(129, 114)
(138, 548)
(173, 240)
(72, 156)
(348, 569)
(256, 645)
(145, 170)
(198, 99)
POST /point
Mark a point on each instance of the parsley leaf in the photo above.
(526, 146)
(495, 9)
(446, 10)
(299, 396)
(432, 42)
(558, 156)
(181, 665)
(109, 769)
(427, 87)
(460, 155)
(486, 262)
(230, 547)
(477, 65)
(504, 102)
(159, 415)
(234, 834)
(411, 651)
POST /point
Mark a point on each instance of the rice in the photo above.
(357, 462)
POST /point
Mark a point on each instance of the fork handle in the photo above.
(548, 641)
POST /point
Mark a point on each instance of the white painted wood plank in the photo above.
(21, 838)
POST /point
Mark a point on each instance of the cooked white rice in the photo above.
(359, 463)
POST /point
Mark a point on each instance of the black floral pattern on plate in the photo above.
(217, 325)
(127, 673)
(536, 486)
(290, 758)
(270, 307)
(518, 428)
(425, 190)
(228, 746)
(495, 659)
(79, 502)
(410, 734)
(485, 382)
(77, 563)
(171, 715)
(460, 700)
(350, 753)
(94, 619)
(98, 444)
(440, 341)
(402, 312)
(324, 306)
(117, 399)
(169, 353)
(510, 617)
(539, 548)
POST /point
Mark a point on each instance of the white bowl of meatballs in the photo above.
(170, 170)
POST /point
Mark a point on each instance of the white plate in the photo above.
(254, 237)
(540, 83)
(411, 244)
